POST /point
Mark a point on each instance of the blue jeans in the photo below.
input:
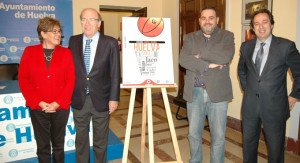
(197, 110)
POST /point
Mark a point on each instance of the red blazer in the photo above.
(37, 83)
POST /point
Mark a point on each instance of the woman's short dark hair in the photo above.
(46, 24)
(262, 11)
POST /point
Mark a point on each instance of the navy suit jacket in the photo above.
(269, 90)
(104, 78)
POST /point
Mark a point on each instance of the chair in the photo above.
(181, 104)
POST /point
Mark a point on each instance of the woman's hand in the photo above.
(44, 105)
(52, 107)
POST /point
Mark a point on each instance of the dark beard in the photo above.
(208, 32)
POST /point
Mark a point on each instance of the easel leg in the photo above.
(128, 126)
(144, 121)
(150, 126)
(171, 125)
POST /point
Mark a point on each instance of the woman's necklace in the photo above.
(48, 58)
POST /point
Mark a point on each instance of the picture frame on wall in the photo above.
(247, 33)
(250, 6)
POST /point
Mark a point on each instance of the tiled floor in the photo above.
(163, 148)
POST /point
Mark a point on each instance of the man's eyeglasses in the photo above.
(83, 20)
(55, 31)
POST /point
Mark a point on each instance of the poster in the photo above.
(147, 51)
(19, 19)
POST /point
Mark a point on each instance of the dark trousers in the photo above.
(50, 127)
(275, 138)
(100, 121)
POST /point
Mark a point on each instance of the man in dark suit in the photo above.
(262, 70)
(97, 86)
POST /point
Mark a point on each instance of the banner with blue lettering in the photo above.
(19, 20)
(17, 140)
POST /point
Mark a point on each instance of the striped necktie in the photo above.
(259, 57)
(87, 56)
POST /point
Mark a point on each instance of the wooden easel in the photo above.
(147, 106)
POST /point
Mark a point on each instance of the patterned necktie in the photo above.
(87, 56)
(259, 57)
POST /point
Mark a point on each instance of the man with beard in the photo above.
(206, 55)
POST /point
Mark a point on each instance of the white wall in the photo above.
(112, 23)
(293, 121)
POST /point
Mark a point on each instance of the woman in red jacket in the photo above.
(46, 80)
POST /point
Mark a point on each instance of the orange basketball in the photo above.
(150, 27)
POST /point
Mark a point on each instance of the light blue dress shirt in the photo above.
(266, 52)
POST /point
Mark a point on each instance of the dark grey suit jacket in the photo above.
(220, 50)
(269, 90)
(104, 78)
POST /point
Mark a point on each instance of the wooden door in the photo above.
(189, 13)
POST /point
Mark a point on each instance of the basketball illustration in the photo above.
(150, 27)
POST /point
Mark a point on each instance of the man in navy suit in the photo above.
(262, 70)
(97, 85)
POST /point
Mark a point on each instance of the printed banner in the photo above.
(19, 19)
(17, 140)
(147, 51)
